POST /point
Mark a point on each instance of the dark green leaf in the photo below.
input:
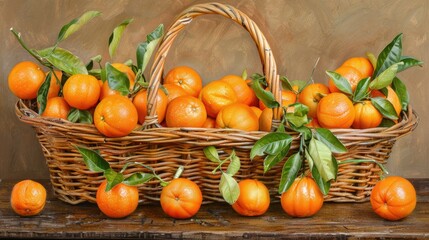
(289, 172)
(362, 89)
(328, 138)
(113, 178)
(409, 62)
(138, 178)
(323, 185)
(384, 107)
(281, 128)
(335, 164)
(271, 144)
(385, 78)
(90, 64)
(322, 158)
(93, 160)
(229, 188)
(272, 159)
(265, 96)
(146, 49)
(76, 24)
(298, 117)
(117, 80)
(390, 55)
(80, 116)
(42, 93)
(211, 153)
(401, 90)
(63, 60)
(116, 36)
(234, 165)
(340, 82)
(372, 59)
(386, 123)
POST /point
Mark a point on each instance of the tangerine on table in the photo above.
(140, 102)
(186, 78)
(352, 75)
(254, 198)
(56, 107)
(25, 79)
(237, 116)
(185, 111)
(28, 198)
(335, 110)
(216, 95)
(81, 91)
(118, 202)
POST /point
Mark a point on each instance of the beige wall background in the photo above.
(298, 31)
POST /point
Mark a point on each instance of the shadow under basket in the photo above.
(164, 149)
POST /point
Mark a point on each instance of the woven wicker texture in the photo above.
(165, 149)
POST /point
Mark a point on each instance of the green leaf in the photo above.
(324, 186)
(80, 116)
(211, 153)
(63, 60)
(272, 159)
(362, 89)
(385, 122)
(76, 24)
(113, 178)
(117, 80)
(265, 96)
(322, 158)
(90, 65)
(409, 62)
(234, 165)
(335, 164)
(138, 178)
(372, 59)
(384, 107)
(340, 82)
(330, 140)
(93, 160)
(289, 172)
(401, 90)
(42, 93)
(271, 144)
(229, 188)
(116, 36)
(390, 55)
(146, 49)
(385, 78)
(298, 117)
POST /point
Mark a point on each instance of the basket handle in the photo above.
(186, 17)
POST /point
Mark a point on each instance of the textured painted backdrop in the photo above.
(299, 32)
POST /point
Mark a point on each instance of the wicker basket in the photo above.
(165, 149)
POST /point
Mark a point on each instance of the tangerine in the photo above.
(28, 198)
(25, 79)
(81, 91)
(237, 116)
(118, 202)
(186, 111)
(335, 110)
(216, 95)
(56, 107)
(352, 75)
(254, 199)
(186, 78)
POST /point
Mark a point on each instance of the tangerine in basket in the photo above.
(254, 198)
(140, 102)
(311, 95)
(244, 93)
(174, 91)
(209, 123)
(28, 198)
(237, 116)
(256, 110)
(105, 88)
(303, 198)
(81, 91)
(366, 115)
(393, 198)
(362, 64)
(186, 78)
(392, 97)
(335, 110)
(288, 97)
(266, 120)
(55, 86)
(216, 95)
(186, 111)
(352, 75)
(56, 107)
(25, 79)
(181, 198)
(115, 116)
(118, 202)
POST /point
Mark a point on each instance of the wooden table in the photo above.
(213, 221)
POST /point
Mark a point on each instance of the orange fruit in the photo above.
(393, 198)
(335, 110)
(392, 97)
(311, 95)
(362, 64)
(256, 110)
(288, 97)
(186, 78)
(28, 198)
(366, 115)
(216, 95)
(25, 79)
(303, 198)
(174, 91)
(115, 116)
(352, 75)
(237, 116)
(55, 86)
(244, 93)
(81, 91)
(209, 123)
(56, 107)
(254, 198)
(185, 111)
(105, 88)
(181, 198)
(140, 102)
(266, 120)
(118, 202)
(314, 123)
